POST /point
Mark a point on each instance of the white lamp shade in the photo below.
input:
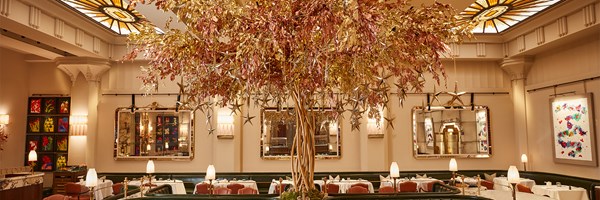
(91, 179)
(148, 147)
(32, 156)
(166, 145)
(210, 173)
(513, 174)
(453, 166)
(150, 167)
(394, 170)
(524, 158)
(4, 119)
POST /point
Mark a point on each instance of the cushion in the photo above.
(384, 179)
(337, 178)
(489, 177)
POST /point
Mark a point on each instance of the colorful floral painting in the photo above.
(46, 161)
(63, 124)
(47, 143)
(64, 105)
(33, 124)
(35, 105)
(61, 161)
(572, 130)
(482, 131)
(49, 105)
(49, 124)
(62, 143)
(32, 143)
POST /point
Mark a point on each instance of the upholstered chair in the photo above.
(332, 188)
(488, 184)
(386, 189)
(357, 190)
(222, 191)
(202, 188)
(407, 186)
(430, 185)
(117, 188)
(523, 188)
(280, 187)
(361, 185)
(56, 197)
(77, 191)
(235, 187)
(247, 190)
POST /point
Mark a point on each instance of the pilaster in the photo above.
(518, 68)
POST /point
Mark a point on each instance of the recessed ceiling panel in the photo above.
(116, 15)
(495, 16)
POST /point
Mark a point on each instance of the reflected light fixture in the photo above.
(524, 160)
(453, 167)
(4, 119)
(394, 173)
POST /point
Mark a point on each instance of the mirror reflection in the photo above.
(279, 129)
(451, 132)
(156, 133)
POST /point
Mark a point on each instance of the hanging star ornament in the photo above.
(455, 97)
(248, 119)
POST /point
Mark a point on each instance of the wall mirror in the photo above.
(441, 132)
(154, 133)
(279, 128)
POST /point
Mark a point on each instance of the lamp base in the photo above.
(514, 191)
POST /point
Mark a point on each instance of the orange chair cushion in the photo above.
(247, 190)
(386, 189)
(408, 186)
(357, 190)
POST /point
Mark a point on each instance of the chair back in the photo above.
(430, 185)
(235, 187)
(117, 188)
(386, 189)
(361, 185)
(280, 187)
(488, 184)
(523, 188)
(408, 186)
(202, 188)
(75, 189)
(332, 188)
(56, 197)
(247, 190)
(222, 190)
(357, 190)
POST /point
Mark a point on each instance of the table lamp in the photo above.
(394, 173)
(513, 179)
(453, 167)
(32, 158)
(210, 175)
(91, 181)
(150, 171)
(524, 161)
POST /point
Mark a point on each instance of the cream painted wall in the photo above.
(572, 63)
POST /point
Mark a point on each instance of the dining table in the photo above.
(562, 192)
(507, 195)
(501, 183)
(344, 184)
(176, 185)
(223, 183)
(102, 190)
(421, 182)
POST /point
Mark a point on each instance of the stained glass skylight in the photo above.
(495, 16)
(117, 15)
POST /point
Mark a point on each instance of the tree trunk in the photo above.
(303, 150)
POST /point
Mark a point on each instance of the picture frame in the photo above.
(32, 143)
(49, 124)
(34, 124)
(46, 161)
(63, 105)
(34, 105)
(62, 124)
(49, 106)
(46, 143)
(62, 143)
(573, 134)
(61, 161)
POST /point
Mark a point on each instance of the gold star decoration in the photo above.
(455, 97)
(235, 107)
(248, 119)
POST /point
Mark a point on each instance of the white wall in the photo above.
(571, 63)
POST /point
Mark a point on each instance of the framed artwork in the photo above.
(35, 105)
(573, 130)
(62, 143)
(33, 124)
(32, 143)
(49, 124)
(61, 161)
(46, 161)
(64, 105)
(63, 124)
(46, 143)
(49, 106)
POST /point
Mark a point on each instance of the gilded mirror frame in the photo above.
(157, 123)
(324, 117)
(452, 147)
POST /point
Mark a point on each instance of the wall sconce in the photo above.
(4, 119)
(78, 125)
(225, 126)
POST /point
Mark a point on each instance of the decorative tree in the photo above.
(344, 54)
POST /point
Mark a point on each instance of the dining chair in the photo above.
(202, 188)
(386, 189)
(523, 188)
(56, 197)
(488, 184)
(361, 185)
(117, 188)
(430, 185)
(235, 187)
(280, 187)
(222, 190)
(247, 190)
(408, 186)
(75, 190)
(332, 188)
(355, 189)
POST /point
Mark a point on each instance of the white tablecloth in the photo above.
(103, 190)
(344, 184)
(501, 183)
(507, 195)
(176, 185)
(246, 183)
(421, 182)
(561, 193)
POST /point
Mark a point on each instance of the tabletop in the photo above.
(562, 192)
(501, 183)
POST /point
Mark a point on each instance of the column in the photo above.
(517, 69)
(85, 94)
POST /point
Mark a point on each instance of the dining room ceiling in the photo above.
(494, 16)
